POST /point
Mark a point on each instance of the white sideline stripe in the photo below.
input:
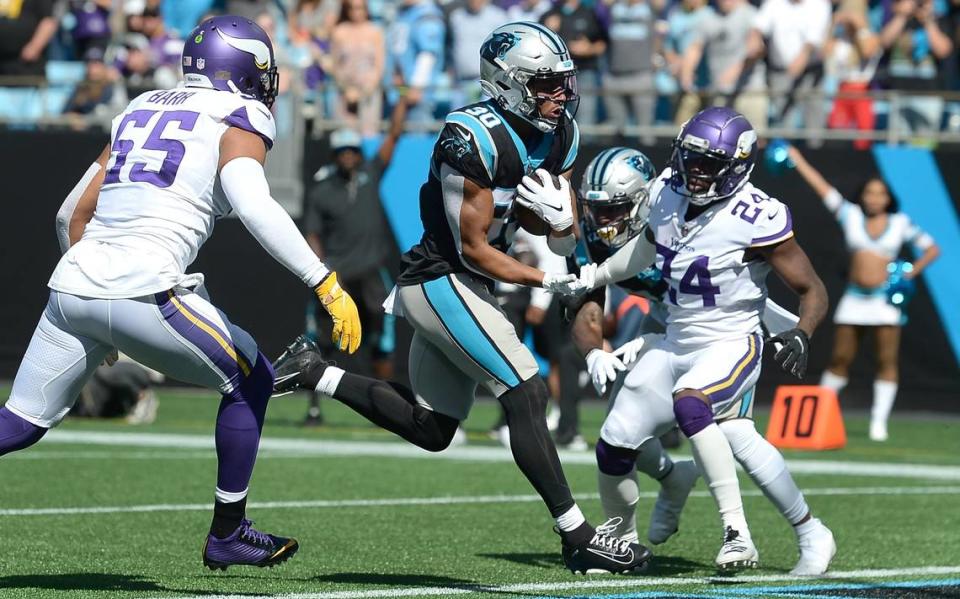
(463, 500)
(605, 583)
(311, 447)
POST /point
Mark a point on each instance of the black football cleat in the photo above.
(605, 553)
(300, 365)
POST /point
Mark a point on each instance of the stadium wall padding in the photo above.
(40, 167)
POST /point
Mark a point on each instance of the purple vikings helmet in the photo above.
(231, 54)
(713, 155)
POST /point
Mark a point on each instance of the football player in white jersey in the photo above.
(714, 237)
(129, 230)
(615, 204)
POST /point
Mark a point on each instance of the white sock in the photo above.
(833, 381)
(766, 467)
(619, 496)
(884, 394)
(653, 461)
(228, 497)
(329, 380)
(807, 527)
(570, 519)
(715, 460)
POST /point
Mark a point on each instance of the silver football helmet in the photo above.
(615, 195)
(524, 64)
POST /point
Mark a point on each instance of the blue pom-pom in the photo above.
(777, 156)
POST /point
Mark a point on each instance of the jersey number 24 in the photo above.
(695, 281)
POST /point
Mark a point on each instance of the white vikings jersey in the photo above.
(714, 294)
(157, 206)
(900, 229)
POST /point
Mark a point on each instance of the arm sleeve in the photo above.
(636, 256)
(547, 261)
(773, 225)
(920, 239)
(245, 186)
(65, 214)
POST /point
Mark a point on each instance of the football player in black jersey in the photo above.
(515, 149)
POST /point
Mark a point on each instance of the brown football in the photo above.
(529, 220)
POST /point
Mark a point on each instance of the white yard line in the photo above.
(311, 447)
(421, 501)
(599, 583)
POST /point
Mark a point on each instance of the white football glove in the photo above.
(562, 284)
(546, 201)
(629, 351)
(603, 368)
(588, 276)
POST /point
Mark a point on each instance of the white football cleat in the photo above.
(817, 548)
(878, 430)
(674, 490)
(737, 551)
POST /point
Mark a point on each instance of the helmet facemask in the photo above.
(525, 94)
(615, 220)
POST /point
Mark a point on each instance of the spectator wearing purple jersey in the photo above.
(91, 25)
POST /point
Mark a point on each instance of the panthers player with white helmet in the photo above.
(714, 237)
(615, 206)
(130, 229)
(480, 171)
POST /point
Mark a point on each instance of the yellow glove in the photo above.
(343, 311)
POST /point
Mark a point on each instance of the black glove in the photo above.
(792, 357)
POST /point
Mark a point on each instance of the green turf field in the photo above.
(103, 509)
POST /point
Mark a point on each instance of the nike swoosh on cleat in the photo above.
(612, 556)
(286, 377)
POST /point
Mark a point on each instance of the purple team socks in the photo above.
(16, 433)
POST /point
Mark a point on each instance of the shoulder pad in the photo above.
(253, 116)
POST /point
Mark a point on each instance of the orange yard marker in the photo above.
(806, 417)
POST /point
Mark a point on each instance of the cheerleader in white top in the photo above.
(874, 232)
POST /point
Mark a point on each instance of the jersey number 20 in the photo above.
(173, 149)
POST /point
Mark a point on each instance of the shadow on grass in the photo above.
(659, 566)
(80, 581)
(413, 580)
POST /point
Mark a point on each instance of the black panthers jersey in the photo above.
(479, 143)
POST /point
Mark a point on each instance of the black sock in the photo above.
(578, 535)
(533, 449)
(394, 407)
(227, 517)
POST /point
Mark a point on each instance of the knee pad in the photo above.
(693, 415)
(436, 430)
(529, 397)
(17, 433)
(615, 461)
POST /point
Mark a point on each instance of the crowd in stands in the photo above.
(780, 62)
